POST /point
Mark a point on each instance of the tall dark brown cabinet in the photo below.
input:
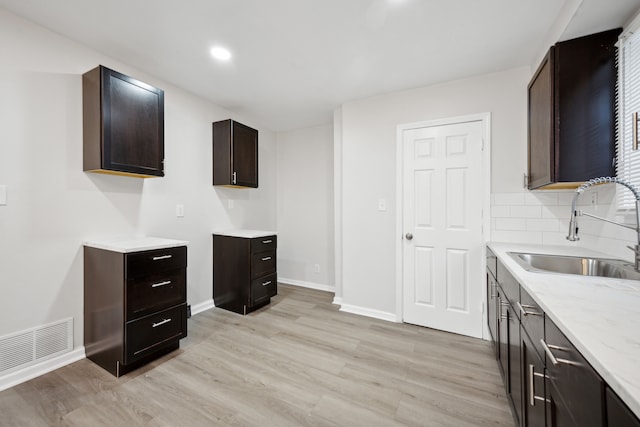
(235, 154)
(123, 125)
(572, 96)
(135, 306)
(244, 270)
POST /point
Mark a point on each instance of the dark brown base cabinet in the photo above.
(548, 382)
(134, 305)
(244, 271)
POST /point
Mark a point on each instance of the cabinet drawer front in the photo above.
(509, 285)
(578, 386)
(491, 262)
(264, 244)
(532, 320)
(155, 292)
(150, 333)
(262, 289)
(263, 263)
(155, 261)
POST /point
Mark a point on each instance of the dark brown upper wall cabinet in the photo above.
(123, 125)
(235, 154)
(571, 129)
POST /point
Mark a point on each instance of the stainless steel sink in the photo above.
(583, 266)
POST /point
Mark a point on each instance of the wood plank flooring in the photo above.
(299, 361)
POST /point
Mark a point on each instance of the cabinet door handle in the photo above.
(267, 258)
(158, 258)
(268, 282)
(267, 241)
(556, 361)
(525, 312)
(155, 325)
(532, 390)
(157, 285)
(233, 179)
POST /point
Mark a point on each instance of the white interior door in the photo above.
(443, 192)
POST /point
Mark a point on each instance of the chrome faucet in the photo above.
(573, 222)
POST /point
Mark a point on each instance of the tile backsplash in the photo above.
(543, 217)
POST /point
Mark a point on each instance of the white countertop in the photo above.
(247, 234)
(128, 244)
(601, 316)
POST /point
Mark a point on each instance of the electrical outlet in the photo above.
(382, 205)
(230, 203)
(316, 268)
(594, 199)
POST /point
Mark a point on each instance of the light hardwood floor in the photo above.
(298, 361)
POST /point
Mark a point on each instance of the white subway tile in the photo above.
(566, 197)
(541, 198)
(526, 211)
(548, 224)
(516, 236)
(509, 198)
(559, 212)
(514, 224)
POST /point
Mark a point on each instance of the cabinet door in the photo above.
(541, 124)
(515, 372)
(533, 384)
(492, 309)
(578, 389)
(618, 414)
(133, 125)
(245, 155)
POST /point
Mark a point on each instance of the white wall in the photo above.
(369, 169)
(53, 205)
(305, 207)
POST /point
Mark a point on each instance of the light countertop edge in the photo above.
(133, 244)
(600, 316)
(248, 234)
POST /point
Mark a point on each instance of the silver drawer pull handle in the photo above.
(268, 282)
(156, 285)
(158, 258)
(155, 325)
(267, 241)
(556, 360)
(532, 390)
(525, 312)
(267, 258)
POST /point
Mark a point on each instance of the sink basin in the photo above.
(582, 266)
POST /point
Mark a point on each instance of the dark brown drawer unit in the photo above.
(244, 272)
(134, 305)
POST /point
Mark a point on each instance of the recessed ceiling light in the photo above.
(220, 53)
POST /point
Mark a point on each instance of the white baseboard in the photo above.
(26, 374)
(337, 300)
(362, 311)
(303, 284)
(200, 307)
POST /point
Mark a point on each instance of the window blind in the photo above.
(628, 159)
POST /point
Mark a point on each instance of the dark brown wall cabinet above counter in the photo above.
(571, 113)
(235, 154)
(123, 125)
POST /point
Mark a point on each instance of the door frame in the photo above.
(485, 118)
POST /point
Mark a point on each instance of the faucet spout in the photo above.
(573, 221)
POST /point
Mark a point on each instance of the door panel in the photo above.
(442, 209)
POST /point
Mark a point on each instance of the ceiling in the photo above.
(295, 61)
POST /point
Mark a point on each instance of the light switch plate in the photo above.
(3, 195)
(180, 211)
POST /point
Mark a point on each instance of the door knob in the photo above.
(408, 236)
